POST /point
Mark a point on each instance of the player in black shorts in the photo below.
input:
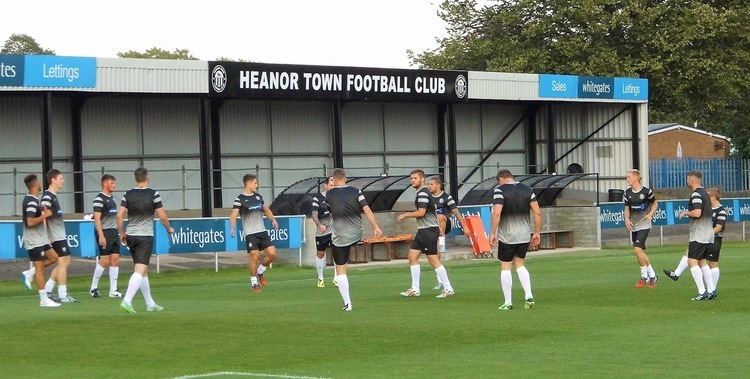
(445, 206)
(57, 236)
(251, 207)
(107, 237)
(701, 236)
(321, 215)
(640, 206)
(512, 204)
(426, 239)
(140, 204)
(35, 239)
(719, 219)
(347, 205)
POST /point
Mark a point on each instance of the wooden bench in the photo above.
(389, 243)
(553, 239)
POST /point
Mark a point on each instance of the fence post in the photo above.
(15, 191)
(184, 196)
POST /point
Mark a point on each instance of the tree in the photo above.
(158, 53)
(227, 59)
(695, 53)
(24, 44)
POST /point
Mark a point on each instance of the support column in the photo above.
(216, 151)
(441, 139)
(46, 135)
(338, 147)
(551, 153)
(636, 136)
(76, 108)
(452, 153)
(205, 161)
(531, 153)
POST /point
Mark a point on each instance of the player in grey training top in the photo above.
(57, 236)
(140, 204)
(347, 204)
(512, 203)
(426, 239)
(321, 215)
(251, 207)
(701, 236)
(35, 239)
(107, 238)
(640, 205)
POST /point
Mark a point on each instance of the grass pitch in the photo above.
(589, 322)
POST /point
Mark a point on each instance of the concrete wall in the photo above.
(694, 145)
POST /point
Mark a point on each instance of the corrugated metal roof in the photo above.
(660, 128)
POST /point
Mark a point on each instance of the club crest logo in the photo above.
(460, 87)
(219, 78)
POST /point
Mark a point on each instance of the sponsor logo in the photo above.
(219, 78)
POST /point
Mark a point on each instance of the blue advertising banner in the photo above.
(594, 87)
(611, 215)
(55, 71)
(558, 86)
(631, 89)
(288, 236)
(191, 236)
(11, 70)
(483, 211)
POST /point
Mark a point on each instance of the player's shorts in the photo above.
(448, 225)
(638, 238)
(426, 240)
(697, 250)
(713, 250)
(341, 253)
(506, 252)
(141, 248)
(37, 254)
(113, 242)
(323, 242)
(61, 248)
(258, 241)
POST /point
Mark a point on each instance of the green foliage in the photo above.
(589, 322)
(228, 59)
(24, 44)
(696, 54)
(158, 53)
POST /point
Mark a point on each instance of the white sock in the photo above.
(253, 280)
(442, 275)
(644, 272)
(708, 278)
(525, 279)
(344, 288)
(715, 276)
(681, 266)
(30, 272)
(650, 272)
(506, 282)
(62, 291)
(50, 285)
(146, 291)
(98, 271)
(416, 271)
(438, 279)
(698, 277)
(133, 286)
(114, 272)
(42, 295)
(261, 269)
(320, 264)
(441, 244)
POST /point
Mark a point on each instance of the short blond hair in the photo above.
(635, 173)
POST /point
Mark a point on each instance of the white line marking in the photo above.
(250, 374)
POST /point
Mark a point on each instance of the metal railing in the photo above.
(729, 174)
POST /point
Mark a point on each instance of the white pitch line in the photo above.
(250, 374)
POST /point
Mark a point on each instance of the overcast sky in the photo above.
(326, 32)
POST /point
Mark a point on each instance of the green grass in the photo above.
(588, 322)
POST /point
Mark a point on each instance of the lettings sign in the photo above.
(260, 80)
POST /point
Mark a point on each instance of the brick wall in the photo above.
(694, 145)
